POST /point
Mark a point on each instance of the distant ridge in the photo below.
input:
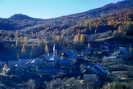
(20, 17)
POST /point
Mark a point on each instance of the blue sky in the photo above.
(48, 8)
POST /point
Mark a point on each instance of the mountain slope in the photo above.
(18, 21)
(23, 22)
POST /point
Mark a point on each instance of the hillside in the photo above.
(106, 18)
(20, 21)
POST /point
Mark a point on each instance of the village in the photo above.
(83, 60)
